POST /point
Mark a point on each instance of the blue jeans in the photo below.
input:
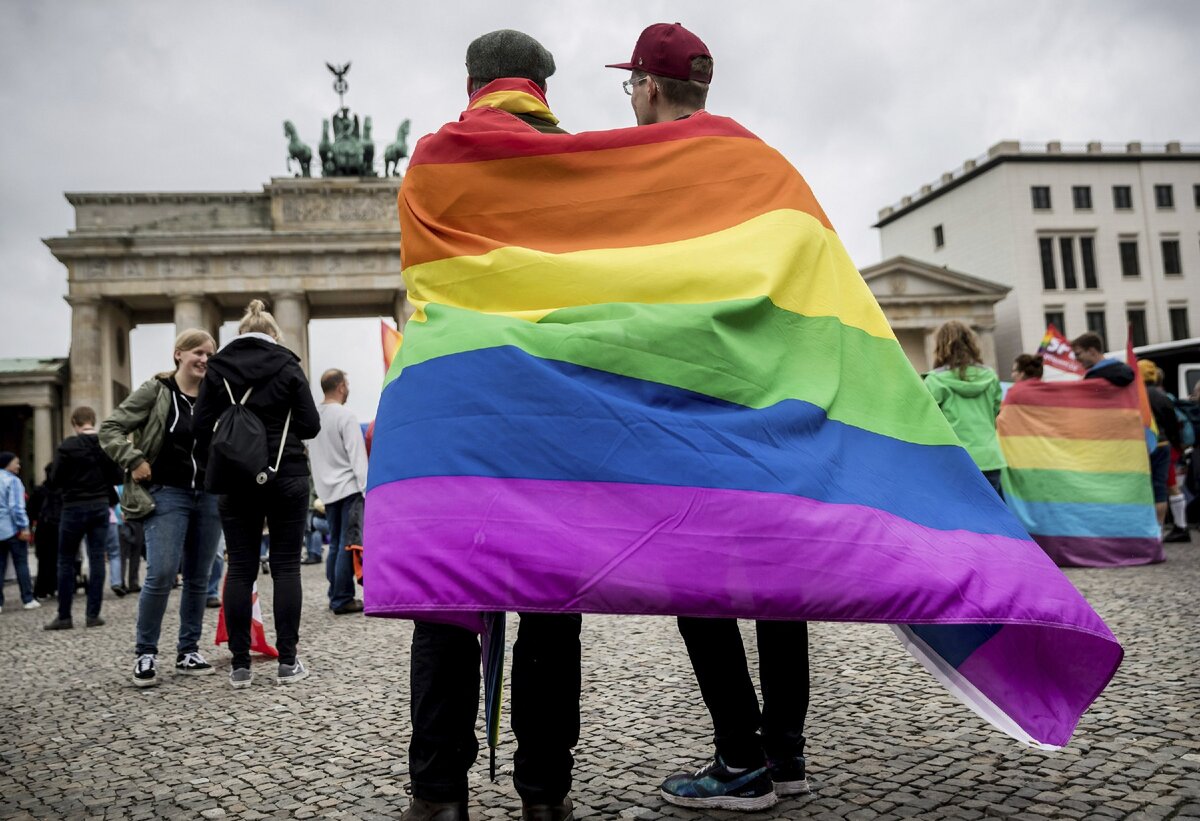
(318, 528)
(339, 564)
(78, 522)
(218, 570)
(113, 546)
(182, 532)
(20, 557)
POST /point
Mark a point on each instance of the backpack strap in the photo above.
(229, 390)
(282, 441)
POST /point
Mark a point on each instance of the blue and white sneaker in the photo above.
(717, 786)
(787, 774)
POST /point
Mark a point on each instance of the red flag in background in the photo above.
(1059, 360)
(258, 633)
(1143, 398)
(391, 339)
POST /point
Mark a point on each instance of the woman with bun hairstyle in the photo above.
(151, 435)
(280, 396)
(1027, 366)
(969, 395)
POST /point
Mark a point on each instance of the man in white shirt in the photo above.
(338, 457)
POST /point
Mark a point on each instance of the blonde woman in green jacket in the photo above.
(969, 395)
(151, 436)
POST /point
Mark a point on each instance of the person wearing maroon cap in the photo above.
(670, 72)
(444, 673)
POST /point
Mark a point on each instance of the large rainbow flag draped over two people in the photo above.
(1078, 475)
(644, 377)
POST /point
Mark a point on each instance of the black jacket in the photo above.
(1164, 416)
(84, 473)
(279, 385)
(1118, 373)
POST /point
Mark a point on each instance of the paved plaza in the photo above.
(77, 740)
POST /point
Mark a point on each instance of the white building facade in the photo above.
(1091, 237)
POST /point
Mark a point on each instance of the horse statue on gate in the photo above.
(396, 151)
(297, 150)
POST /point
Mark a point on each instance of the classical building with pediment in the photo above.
(918, 297)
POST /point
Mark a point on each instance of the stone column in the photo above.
(196, 311)
(930, 347)
(987, 346)
(402, 311)
(86, 357)
(291, 312)
(43, 439)
(115, 324)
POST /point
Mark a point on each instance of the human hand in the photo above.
(141, 473)
(25, 535)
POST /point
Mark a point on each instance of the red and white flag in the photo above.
(258, 633)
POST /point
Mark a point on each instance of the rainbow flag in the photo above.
(1078, 475)
(644, 377)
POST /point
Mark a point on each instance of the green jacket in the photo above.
(134, 434)
(970, 406)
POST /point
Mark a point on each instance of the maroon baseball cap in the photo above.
(667, 49)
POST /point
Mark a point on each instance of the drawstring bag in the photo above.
(238, 456)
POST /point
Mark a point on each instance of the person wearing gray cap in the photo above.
(444, 673)
(759, 753)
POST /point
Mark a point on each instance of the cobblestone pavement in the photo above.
(77, 740)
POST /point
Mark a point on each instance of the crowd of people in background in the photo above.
(139, 486)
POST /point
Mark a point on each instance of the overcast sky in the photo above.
(870, 100)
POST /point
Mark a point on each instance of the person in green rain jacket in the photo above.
(969, 395)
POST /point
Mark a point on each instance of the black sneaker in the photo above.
(788, 775)
(94, 621)
(212, 602)
(145, 671)
(352, 606)
(59, 624)
(192, 664)
(718, 787)
(118, 590)
(1177, 534)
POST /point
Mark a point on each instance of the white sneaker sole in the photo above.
(208, 671)
(722, 802)
(792, 787)
(241, 685)
(291, 679)
(145, 682)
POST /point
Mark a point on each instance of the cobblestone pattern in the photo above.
(77, 740)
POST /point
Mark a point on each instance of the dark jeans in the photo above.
(719, 660)
(79, 522)
(993, 477)
(45, 543)
(545, 707)
(133, 541)
(284, 505)
(339, 564)
(19, 551)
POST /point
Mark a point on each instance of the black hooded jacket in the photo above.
(279, 386)
(1116, 372)
(84, 473)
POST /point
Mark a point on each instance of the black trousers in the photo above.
(545, 707)
(719, 660)
(132, 535)
(45, 544)
(283, 504)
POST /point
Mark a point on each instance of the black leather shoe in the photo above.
(562, 811)
(422, 810)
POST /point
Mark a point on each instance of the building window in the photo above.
(1179, 323)
(1046, 246)
(1041, 197)
(1164, 196)
(939, 236)
(1122, 197)
(1136, 317)
(1129, 258)
(1082, 195)
(1087, 255)
(1056, 319)
(1196, 194)
(1097, 324)
(1170, 252)
(1066, 246)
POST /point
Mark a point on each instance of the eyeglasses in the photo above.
(629, 84)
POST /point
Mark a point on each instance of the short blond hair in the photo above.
(258, 320)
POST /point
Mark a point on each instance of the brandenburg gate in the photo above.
(311, 248)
